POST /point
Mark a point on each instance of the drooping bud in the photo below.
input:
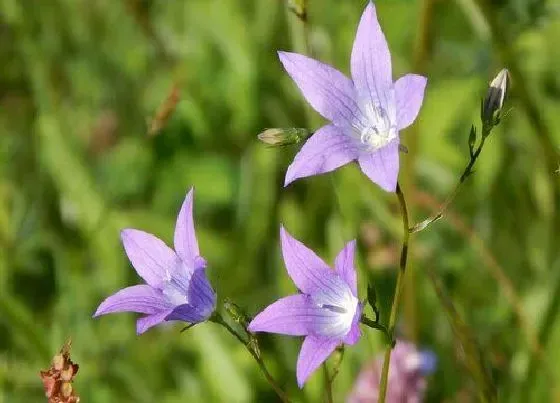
(494, 101)
(279, 137)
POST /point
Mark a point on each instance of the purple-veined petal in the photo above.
(200, 293)
(188, 313)
(409, 94)
(314, 351)
(294, 315)
(354, 334)
(146, 322)
(344, 266)
(307, 270)
(326, 89)
(138, 298)
(185, 241)
(326, 150)
(150, 256)
(371, 60)
(382, 166)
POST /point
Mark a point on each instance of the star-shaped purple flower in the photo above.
(326, 310)
(366, 112)
(176, 285)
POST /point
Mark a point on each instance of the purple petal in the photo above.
(294, 315)
(344, 266)
(146, 322)
(325, 151)
(328, 91)
(354, 334)
(200, 293)
(138, 298)
(314, 351)
(382, 166)
(188, 313)
(371, 60)
(149, 255)
(409, 94)
(307, 270)
(185, 241)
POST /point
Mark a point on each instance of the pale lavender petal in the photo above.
(146, 322)
(185, 241)
(325, 151)
(138, 298)
(314, 351)
(187, 313)
(149, 255)
(200, 293)
(409, 94)
(294, 315)
(371, 60)
(382, 166)
(344, 266)
(308, 271)
(354, 334)
(328, 91)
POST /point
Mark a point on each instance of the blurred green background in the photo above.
(80, 80)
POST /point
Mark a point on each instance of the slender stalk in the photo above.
(217, 318)
(328, 384)
(374, 324)
(464, 176)
(397, 296)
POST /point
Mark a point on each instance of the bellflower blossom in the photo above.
(326, 310)
(176, 285)
(407, 376)
(365, 113)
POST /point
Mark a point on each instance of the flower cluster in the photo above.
(366, 114)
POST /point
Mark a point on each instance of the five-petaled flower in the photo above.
(176, 285)
(366, 113)
(326, 310)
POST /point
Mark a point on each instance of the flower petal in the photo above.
(314, 351)
(326, 89)
(187, 313)
(382, 166)
(200, 293)
(308, 271)
(294, 315)
(138, 298)
(371, 60)
(146, 322)
(326, 150)
(344, 266)
(150, 256)
(185, 241)
(354, 334)
(409, 94)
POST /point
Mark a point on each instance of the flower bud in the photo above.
(494, 101)
(282, 137)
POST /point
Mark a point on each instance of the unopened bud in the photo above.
(278, 137)
(494, 101)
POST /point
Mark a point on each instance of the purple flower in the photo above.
(176, 285)
(366, 113)
(326, 310)
(407, 372)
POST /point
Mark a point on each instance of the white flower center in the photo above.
(380, 131)
(175, 290)
(340, 307)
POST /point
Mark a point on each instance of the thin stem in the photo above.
(217, 318)
(397, 296)
(328, 384)
(464, 176)
(374, 324)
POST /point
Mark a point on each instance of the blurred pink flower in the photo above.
(407, 376)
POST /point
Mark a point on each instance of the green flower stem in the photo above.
(397, 296)
(328, 384)
(217, 318)
(374, 324)
(464, 176)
